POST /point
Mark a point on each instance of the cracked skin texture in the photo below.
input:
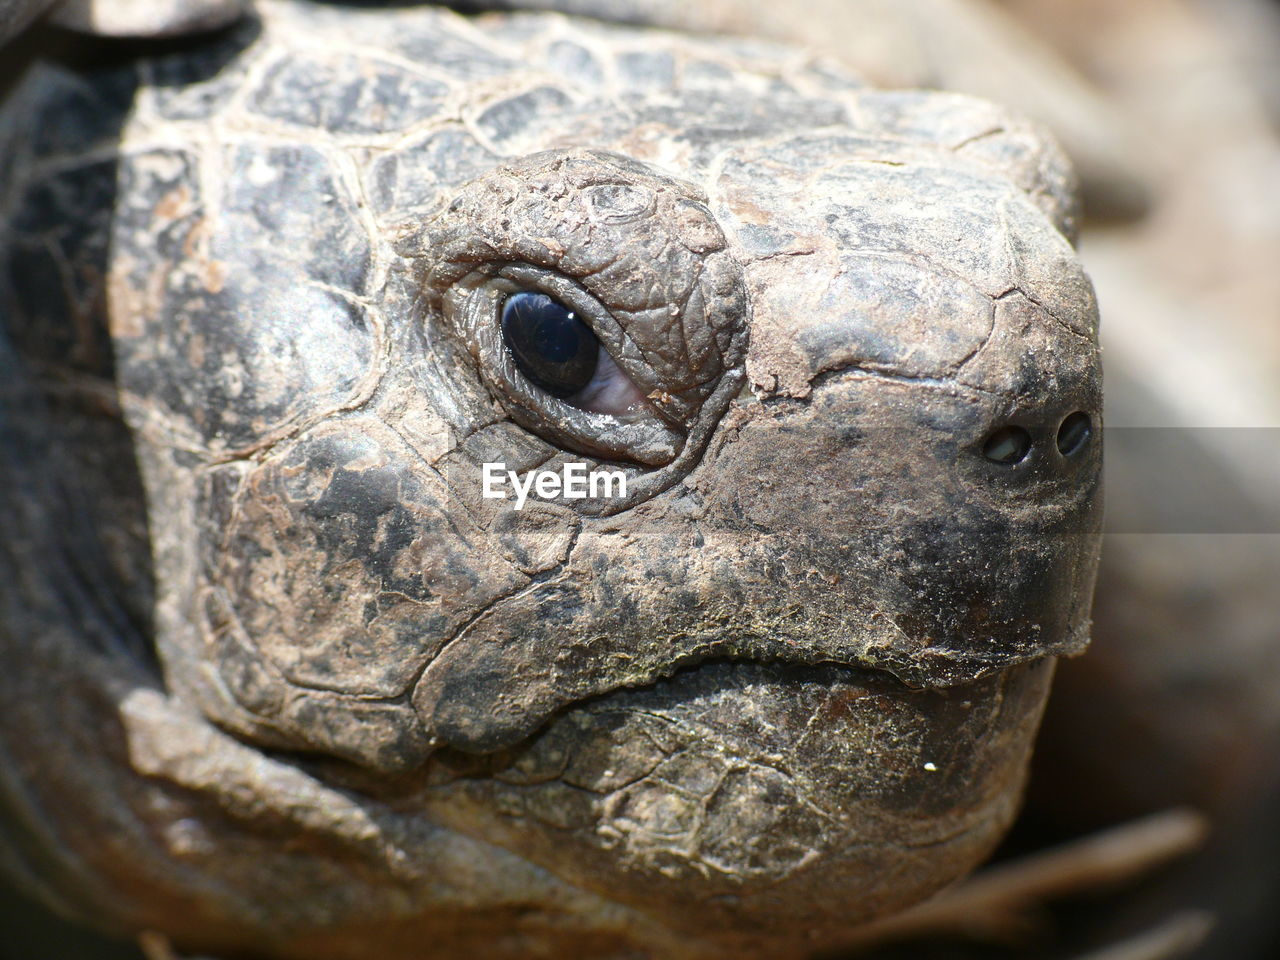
(304, 692)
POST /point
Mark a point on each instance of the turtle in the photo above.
(291, 315)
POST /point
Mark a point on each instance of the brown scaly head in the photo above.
(831, 344)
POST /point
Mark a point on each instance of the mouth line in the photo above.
(566, 641)
(870, 680)
(797, 669)
(569, 638)
(720, 673)
(725, 721)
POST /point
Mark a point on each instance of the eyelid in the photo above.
(473, 305)
(622, 350)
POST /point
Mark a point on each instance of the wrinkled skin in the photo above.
(787, 684)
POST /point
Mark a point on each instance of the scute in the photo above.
(517, 124)
(412, 178)
(335, 515)
(345, 94)
(259, 300)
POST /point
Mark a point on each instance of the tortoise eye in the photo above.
(1074, 433)
(1008, 445)
(555, 350)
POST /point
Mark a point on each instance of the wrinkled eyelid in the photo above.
(471, 304)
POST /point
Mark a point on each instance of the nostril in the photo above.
(1008, 445)
(1074, 433)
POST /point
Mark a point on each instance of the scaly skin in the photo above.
(294, 686)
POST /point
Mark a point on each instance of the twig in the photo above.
(1176, 937)
(156, 946)
(993, 899)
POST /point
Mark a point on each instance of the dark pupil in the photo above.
(551, 346)
(1074, 433)
(1007, 445)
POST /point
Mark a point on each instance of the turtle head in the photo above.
(776, 669)
(788, 656)
(806, 650)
